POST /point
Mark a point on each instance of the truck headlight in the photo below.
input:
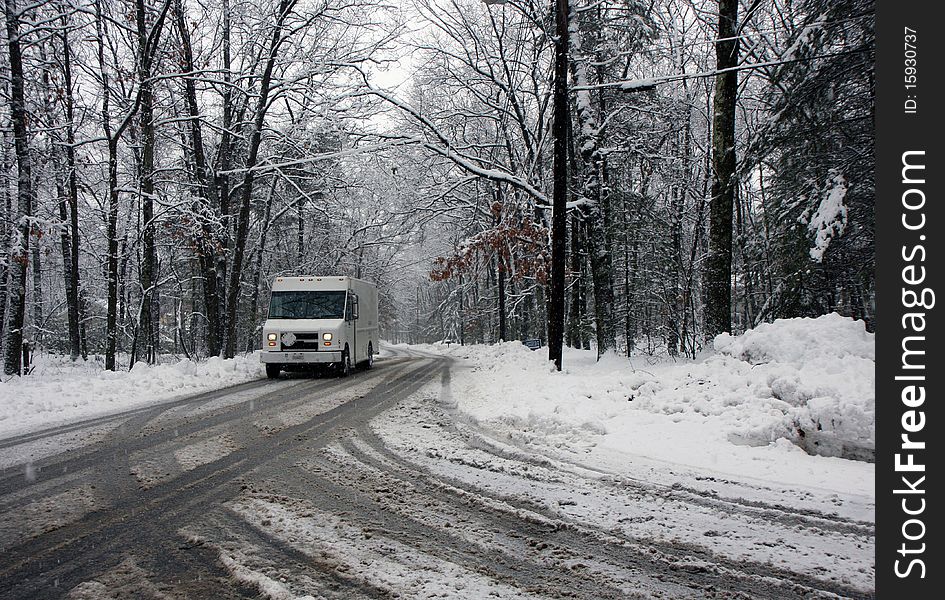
(272, 337)
(326, 337)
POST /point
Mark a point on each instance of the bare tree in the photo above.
(69, 205)
(19, 251)
(113, 135)
(278, 37)
(148, 37)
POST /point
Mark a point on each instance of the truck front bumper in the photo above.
(291, 358)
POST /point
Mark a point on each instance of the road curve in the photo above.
(290, 489)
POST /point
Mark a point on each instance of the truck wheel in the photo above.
(345, 367)
(370, 356)
(272, 371)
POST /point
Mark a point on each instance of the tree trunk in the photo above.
(72, 199)
(19, 252)
(246, 196)
(5, 238)
(462, 311)
(111, 209)
(674, 301)
(559, 132)
(207, 192)
(500, 269)
(150, 310)
(111, 234)
(300, 234)
(66, 247)
(267, 210)
(575, 314)
(593, 200)
(37, 269)
(221, 182)
(628, 322)
(83, 330)
(718, 270)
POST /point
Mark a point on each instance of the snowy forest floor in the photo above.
(495, 475)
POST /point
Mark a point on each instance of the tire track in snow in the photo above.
(786, 515)
(67, 555)
(130, 438)
(339, 493)
(332, 581)
(719, 572)
(85, 423)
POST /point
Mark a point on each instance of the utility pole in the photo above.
(559, 132)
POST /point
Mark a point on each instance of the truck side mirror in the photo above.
(354, 309)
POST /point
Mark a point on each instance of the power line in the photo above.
(639, 84)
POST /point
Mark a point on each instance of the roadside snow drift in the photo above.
(59, 390)
(823, 370)
(753, 407)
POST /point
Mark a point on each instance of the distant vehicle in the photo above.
(320, 321)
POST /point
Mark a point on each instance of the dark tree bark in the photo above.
(500, 267)
(207, 192)
(593, 206)
(111, 217)
(19, 253)
(65, 238)
(300, 234)
(72, 198)
(257, 272)
(37, 269)
(462, 312)
(246, 196)
(150, 309)
(559, 132)
(221, 181)
(576, 315)
(717, 280)
(676, 265)
(7, 218)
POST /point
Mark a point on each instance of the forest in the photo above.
(163, 160)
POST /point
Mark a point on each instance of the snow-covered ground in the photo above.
(739, 453)
(697, 465)
(493, 475)
(755, 407)
(780, 403)
(60, 391)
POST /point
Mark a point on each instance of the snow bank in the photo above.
(824, 369)
(749, 408)
(801, 341)
(59, 390)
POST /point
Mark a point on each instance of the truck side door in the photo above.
(351, 325)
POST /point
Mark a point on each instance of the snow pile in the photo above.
(59, 390)
(824, 369)
(761, 397)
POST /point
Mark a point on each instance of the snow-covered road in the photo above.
(376, 487)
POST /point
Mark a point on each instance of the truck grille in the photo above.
(303, 342)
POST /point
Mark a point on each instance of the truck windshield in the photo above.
(307, 305)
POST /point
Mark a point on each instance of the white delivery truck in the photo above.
(320, 321)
